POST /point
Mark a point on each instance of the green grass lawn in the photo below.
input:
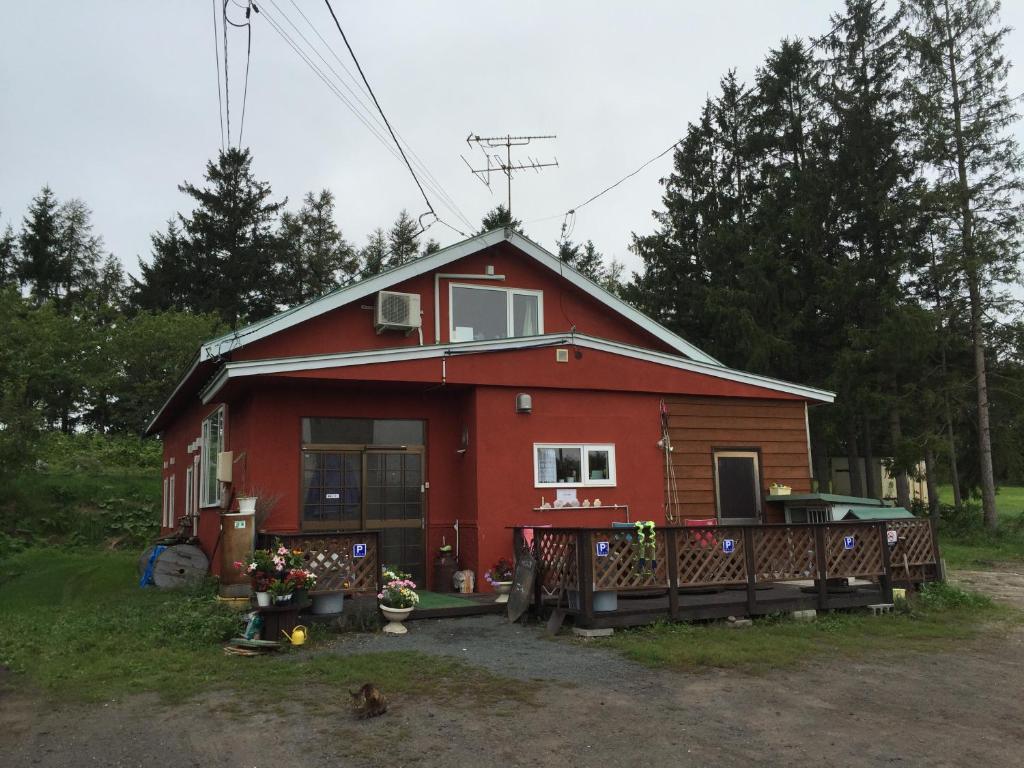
(79, 627)
(980, 549)
(940, 619)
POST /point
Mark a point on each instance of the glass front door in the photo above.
(394, 505)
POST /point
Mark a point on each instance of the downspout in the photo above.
(437, 295)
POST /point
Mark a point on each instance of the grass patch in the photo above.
(429, 600)
(940, 618)
(965, 542)
(78, 626)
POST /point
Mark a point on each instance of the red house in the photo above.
(471, 386)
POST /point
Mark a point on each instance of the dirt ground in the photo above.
(959, 708)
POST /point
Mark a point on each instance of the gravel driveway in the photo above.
(958, 708)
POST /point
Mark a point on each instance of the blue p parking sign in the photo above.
(728, 546)
(602, 549)
(358, 550)
(849, 542)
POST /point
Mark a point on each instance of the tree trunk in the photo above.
(853, 458)
(933, 488)
(900, 473)
(971, 270)
(871, 489)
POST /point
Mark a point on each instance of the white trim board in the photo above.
(222, 345)
(246, 368)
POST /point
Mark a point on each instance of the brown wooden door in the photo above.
(393, 487)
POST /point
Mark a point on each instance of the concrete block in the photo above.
(589, 633)
(879, 608)
(739, 623)
(808, 615)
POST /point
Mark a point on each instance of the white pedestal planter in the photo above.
(246, 504)
(502, 588)
(263, 599)
(395, 617)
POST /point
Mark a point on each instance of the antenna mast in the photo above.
(495, 162)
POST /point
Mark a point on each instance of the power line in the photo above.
(277, 26)
(227, 95)
(418, 161)
(624, 178)
(248, 55)
(216, 58)
(377, 103)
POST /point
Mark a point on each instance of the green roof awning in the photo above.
(826, 498)
(876, 513)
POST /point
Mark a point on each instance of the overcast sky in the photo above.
(115, 102)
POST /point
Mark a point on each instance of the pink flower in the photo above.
(282, 550)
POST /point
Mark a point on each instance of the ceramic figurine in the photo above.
(586, 502)
(597, 502)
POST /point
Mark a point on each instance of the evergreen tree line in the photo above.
(851, 219)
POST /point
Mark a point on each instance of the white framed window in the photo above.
(482, 312)
(212, 445)
(573, 465)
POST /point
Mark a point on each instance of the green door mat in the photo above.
(430, 600)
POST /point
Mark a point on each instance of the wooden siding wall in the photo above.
(699, 425)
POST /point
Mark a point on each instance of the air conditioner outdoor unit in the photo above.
(397, 311)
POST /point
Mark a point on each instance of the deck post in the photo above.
(672, 553)
(934, 525)
(886, 579)
(748, 553)
(538, 578)
(822, 564)
(584, 544)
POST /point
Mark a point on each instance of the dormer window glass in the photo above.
(481, 313)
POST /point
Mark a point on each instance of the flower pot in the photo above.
(246, 504)
(328, 602)
(263, 599)
(282, 599)
(502, 588)
(395, 617)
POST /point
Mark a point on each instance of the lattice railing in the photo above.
(853, 550)
(710, 556)
(784, 554)
(337, 559)
(622, 568)
(913, 556)
(557, 557)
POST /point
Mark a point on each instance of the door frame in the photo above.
(738, 452)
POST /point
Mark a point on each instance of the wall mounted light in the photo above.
(524, 403)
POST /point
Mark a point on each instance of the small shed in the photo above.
(877, 513)
(818, 507)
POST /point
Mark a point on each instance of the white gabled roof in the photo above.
(215, 348)
(244, 368)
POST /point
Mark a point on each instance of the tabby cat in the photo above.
(368, 701)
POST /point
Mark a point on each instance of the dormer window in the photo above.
(479, 313)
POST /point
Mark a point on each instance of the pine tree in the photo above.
(584, 258)
(39, 247)
(964, 113)
(403, 243)
(315, 257)
(170, 279)
(431, 246)
(373, 257)
(8, 257)
(499, 218)
(230, 243)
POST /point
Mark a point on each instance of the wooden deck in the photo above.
(712, 572)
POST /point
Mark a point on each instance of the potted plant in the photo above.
(281, 590)
(500, 577)
(303, 582)
(397, 600)
(267, 566)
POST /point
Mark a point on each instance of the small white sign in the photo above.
(892, 537)
(602, 549)
(567, 494)
(358, 550)
(849, 542)
(239, 523)
(728, 546)
(332, 496)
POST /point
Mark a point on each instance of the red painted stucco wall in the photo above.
(351, 327)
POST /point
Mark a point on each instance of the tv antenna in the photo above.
(495, 162)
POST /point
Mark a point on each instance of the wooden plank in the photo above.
(672, 555)
(751, 423)
(682, 403)
(585, 547)
(821, 561)
(729, 436)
